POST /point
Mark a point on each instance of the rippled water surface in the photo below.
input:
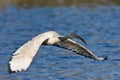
(100, 27)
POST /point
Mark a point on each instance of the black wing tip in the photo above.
(9, 70)
(105, 58)
(102, 59)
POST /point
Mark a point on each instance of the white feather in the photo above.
(22, 58)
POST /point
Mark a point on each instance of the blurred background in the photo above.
(97, 21)
(53, 3)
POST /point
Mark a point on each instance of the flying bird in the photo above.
(24, 55)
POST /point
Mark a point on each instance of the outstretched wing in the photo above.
(79, 49)
(22, 58)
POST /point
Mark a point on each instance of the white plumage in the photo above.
(23, 56)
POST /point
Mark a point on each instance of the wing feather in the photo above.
(77, 48)
(23, 57)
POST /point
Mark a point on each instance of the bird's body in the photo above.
(23, 56)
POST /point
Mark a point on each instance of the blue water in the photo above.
(100, 27)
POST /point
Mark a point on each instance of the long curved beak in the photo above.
(72, 35)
